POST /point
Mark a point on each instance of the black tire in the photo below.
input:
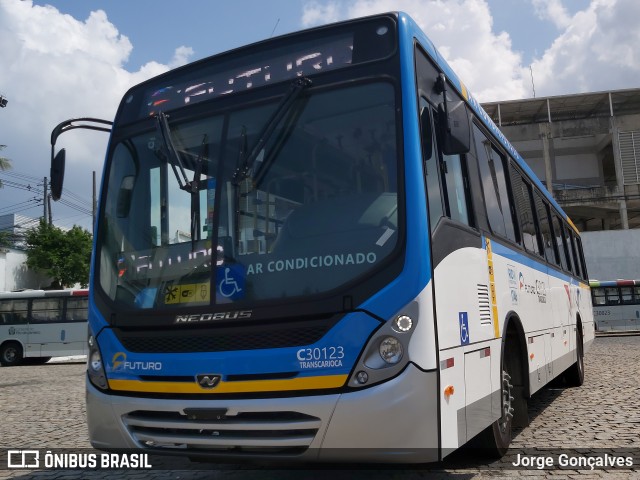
(574, 375)
(494, 441)
(11, 354)
(35, 360)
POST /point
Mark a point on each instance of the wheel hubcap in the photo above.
(10, 355)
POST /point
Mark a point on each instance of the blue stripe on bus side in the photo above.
(518, 257)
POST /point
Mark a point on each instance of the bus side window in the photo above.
(494, 185)
(13, 312)
(559, 239)
(626, 294)
(583, 262)
(432, 180)
(636, 295)
(612, 295)
(522, 197)
(455, 185)
(545, 228)
(574, 251)
(77, 309)
(567, 243)
(46, 309)
(598, 295)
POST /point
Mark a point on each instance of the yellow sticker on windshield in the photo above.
(189, 293)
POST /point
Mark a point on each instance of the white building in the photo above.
(14, 274)
(17, 225)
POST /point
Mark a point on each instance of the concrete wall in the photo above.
(612, 254)
(14, 274)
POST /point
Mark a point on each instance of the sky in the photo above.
(62, 59)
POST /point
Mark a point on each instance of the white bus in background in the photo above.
(616, 304)
(36, 325)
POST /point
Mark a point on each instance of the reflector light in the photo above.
(362, 377)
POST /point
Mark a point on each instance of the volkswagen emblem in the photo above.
(208, 380)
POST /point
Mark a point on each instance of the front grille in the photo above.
(247, 432)
(220, 339)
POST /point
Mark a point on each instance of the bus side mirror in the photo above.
(57, 174)
(455, 132)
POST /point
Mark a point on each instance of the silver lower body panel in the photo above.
(395, 421)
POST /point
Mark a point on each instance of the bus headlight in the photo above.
(95, 367)
(391, 350)
(384, 355)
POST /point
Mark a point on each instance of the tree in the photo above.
(5, 239)
(64, 256)
(5, 163)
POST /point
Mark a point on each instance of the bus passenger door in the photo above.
(460, 292)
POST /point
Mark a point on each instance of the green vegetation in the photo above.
(64, 256)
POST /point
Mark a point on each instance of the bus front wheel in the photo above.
(494, 441)
(11, 354)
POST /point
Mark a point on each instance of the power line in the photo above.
(38, 184)
(79, 205)
(22, 176)
(22, 206)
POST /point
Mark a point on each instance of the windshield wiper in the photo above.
(246, 169)
(170, 154)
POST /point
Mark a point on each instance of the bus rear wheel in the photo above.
(11, 354)
(574, 376)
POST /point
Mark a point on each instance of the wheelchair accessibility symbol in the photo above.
(230, 281)
(463, 319)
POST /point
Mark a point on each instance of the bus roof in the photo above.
(614, 283)
(44, 293)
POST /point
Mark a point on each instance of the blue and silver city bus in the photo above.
(320, 247)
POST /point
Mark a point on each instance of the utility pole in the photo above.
(45, 199)
(50, 215)
(94, 204)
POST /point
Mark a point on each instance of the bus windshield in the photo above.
(315, 209)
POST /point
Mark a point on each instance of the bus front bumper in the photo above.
(393, 422)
